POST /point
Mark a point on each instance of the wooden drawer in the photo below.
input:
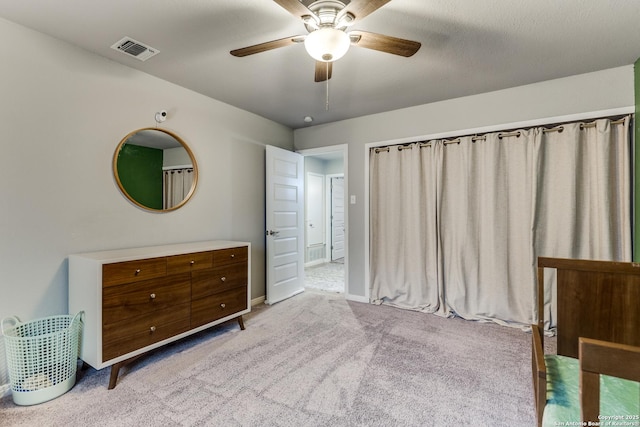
(133, 271)
(189, 262)
(132, 334)
(217, 306)
(230, 256)
(139, 298)
(216, 280)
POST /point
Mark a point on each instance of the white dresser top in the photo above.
(119, 255)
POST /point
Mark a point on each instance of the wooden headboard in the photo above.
(596, 299)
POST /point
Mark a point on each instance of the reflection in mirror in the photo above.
(155, 169)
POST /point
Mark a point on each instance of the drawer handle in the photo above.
(152, 329)
(192, 262)
(223, 279)
(223, 305)
(152, 296)
(138, 271)
(233, 255)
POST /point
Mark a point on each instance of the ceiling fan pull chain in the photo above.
(326, 106)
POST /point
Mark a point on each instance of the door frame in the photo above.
(344, 148)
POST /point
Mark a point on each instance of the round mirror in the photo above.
(155, 169)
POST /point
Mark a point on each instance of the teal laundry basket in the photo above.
(42, 356)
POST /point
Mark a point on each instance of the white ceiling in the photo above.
(468, 47)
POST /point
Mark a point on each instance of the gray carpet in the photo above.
(313, 360)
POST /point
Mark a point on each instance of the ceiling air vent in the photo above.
(135, 48)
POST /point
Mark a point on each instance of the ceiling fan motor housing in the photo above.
(327, 14)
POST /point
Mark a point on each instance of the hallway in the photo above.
(326, 277)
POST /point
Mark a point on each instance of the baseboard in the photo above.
(356, 298)
(350, 297)
(315, 262)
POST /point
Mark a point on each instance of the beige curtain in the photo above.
(583, 207)
(456, 228)
(177, 184)
(405, 246)
(485, 211)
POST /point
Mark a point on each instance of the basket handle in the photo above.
(13, 319)
(77, 316)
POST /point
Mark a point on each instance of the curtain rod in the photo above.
(593, 124)
(176, 168)
(509, 134)
(555, 128)
(421, 145)
(559, 128)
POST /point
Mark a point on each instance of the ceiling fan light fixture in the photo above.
(327, 44)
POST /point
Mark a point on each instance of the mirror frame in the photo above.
(124, 191)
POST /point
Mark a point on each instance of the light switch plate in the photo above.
(353, 199)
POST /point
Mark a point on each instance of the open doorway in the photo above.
(325, 219)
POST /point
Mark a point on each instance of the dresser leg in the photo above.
(241, 322)
(115, 369)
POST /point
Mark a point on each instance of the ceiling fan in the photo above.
(327, 41)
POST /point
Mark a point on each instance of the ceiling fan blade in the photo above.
(294, 7)
(362, 8)
(384, 43)
(262, 47)
(323, 71)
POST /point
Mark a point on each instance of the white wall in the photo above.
(586, 93)
(335, 166)
(63, 111)
(173, 157)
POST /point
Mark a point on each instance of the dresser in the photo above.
(138, 299)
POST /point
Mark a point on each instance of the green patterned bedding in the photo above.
(619, 399)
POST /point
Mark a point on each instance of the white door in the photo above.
(337, 218)
(285, 224)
